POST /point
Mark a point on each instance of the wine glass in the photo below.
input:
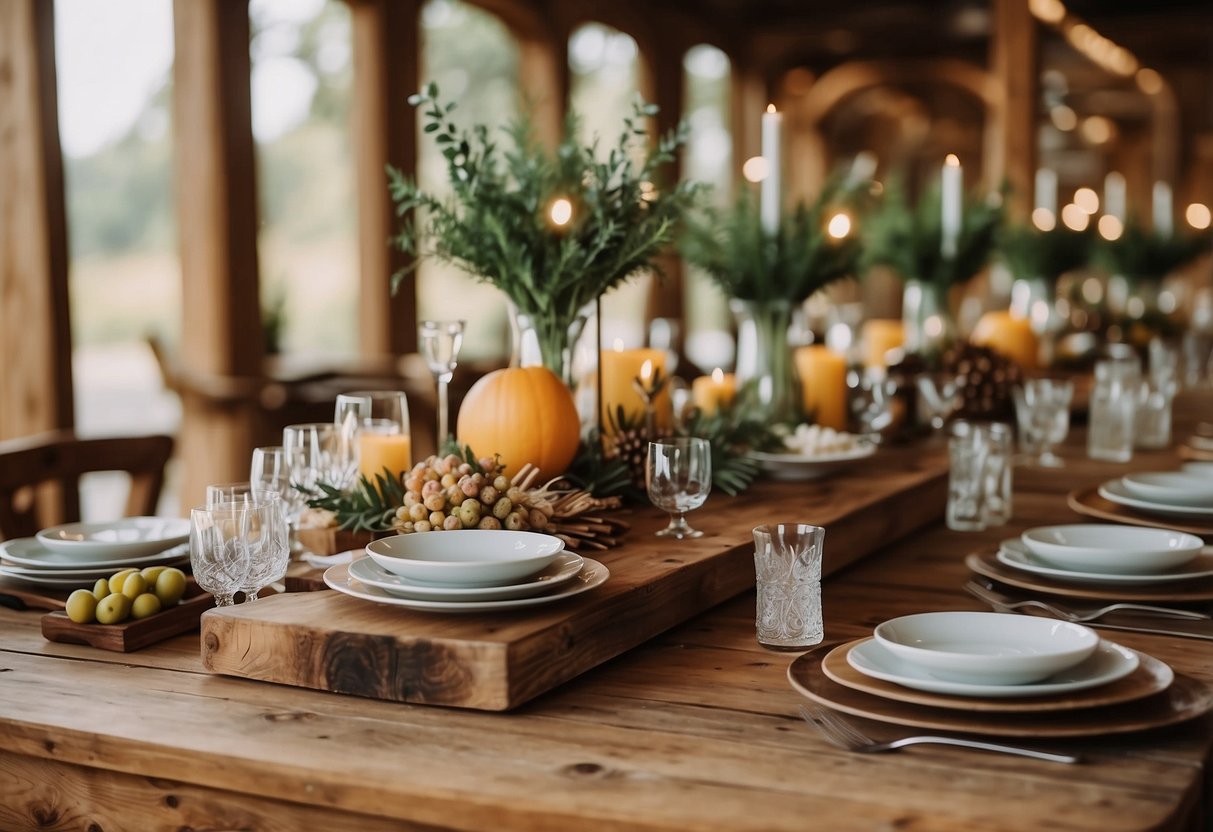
(440, 344)
(314, 454)
(374, 424)
(678, 474)
(939, 394)
(269, 549)
(268, 470)
(219, 547)
(1042, 407)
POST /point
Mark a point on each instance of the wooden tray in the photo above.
(132, 635)
(1087, 502)
(327, 641)
(1150, 677)
(1175, 592)
(1185, 699)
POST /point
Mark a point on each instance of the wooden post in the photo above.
(35, 334)
(667, 90)
(544, 78)
(217, 210)
(1011, 127)
(386, 73)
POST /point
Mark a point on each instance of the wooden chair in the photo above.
(40, 476)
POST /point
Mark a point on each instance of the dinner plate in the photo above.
(1115, 491)
(563, 569)
(1108, 663)
(592, 574)
(27, 551)
(51, 579)
(1200, 469)
(1176, 592)
(129, 537)
(1172, 487)
(793, 466)
(1184, 699)
(1089, 503)
(73, 574)
(1151, 676)
(1013, 553)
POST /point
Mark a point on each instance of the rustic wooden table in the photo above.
(696, 729)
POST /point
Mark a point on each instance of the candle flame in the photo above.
(646, 369)
(771, 108)
(839, 226)
(952, 160)
(718, 376)
(561, 211)
(1043, 219)
(618, 345)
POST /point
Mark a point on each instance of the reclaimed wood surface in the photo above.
(696, 729)
(329, 641)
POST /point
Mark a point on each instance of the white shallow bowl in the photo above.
(1171, 487)
(468, 557)
(1199, 469)
(129, 537)
(1105, 548)
(987, 647)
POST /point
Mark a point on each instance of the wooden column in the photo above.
(35, 333)
(386, 73)
(544, 80)
(667, 91)
(217, 218)
(1011, 126)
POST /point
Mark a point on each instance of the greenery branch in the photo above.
(1032, 254)
(747, 263)
(909, 238)
(1140, 255)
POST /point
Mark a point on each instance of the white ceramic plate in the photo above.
(27, 551)
(1014, 554)
(563, 569)
(794, 466)
(987, 648)
(1115, 491)
(1201, 443)
(1109, 663)
(81, 575)
(1171, 487)
(1103, 548)
(467, 558)
(129, 537)
(592, 574)
(1200, 469)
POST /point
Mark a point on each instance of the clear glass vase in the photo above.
(765, 375)
(928, 322)
(547, 340)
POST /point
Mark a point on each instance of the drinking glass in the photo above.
(871, 397)
(440, 344)
(787, 567)
(939, 395)
(269, 552)
(375, 425)
(268, 470)
(1113, 409)
(1042, 408)
(966, 482)
(314, 454)
(1152, 421)
(220, 555)
(998, 487)
(678, 474)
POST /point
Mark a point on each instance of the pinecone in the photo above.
(989, 379)
(629, 442)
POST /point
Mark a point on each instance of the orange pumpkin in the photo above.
(525, 414)
(1009, 336)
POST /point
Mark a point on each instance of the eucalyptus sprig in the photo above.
(499, 223)
(732, 436)
(909, 238)
(1141, 255)
(1031, 253)
(747, 263)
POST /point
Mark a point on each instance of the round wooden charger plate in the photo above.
(1150, 677)
(1087, 502)
(1185, 699)
(1194, 454)
(988, 565)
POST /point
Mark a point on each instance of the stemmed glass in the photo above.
(440, 344)
(269, 552)
(268, 470)
(1042, 408)
(314, 454)
(220, 555)
(678, 474)
(374, 425)
(940, 395)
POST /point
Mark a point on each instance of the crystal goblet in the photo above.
(678, 474)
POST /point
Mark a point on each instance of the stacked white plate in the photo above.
(1187, 493)
(77, 554)
(1089, 553)
(990, 655)
(467, 571)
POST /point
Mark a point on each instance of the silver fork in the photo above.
(843, 734)
(1073, 615)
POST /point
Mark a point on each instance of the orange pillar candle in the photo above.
(619, 367)
(879, 336)
(823, 382)
(710, 393)
(377, 451)
(1010, 336)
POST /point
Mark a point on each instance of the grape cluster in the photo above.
(447, 493)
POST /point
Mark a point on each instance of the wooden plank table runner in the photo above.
(327, 641)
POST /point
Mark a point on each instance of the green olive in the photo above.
(82, 607)
(145, 605)
(170, 586)
(113, 608)
(134, 585)
(151, 573)
(118, 578)
(101, 588)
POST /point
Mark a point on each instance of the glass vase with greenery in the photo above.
(553, 230)
(766, 276)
